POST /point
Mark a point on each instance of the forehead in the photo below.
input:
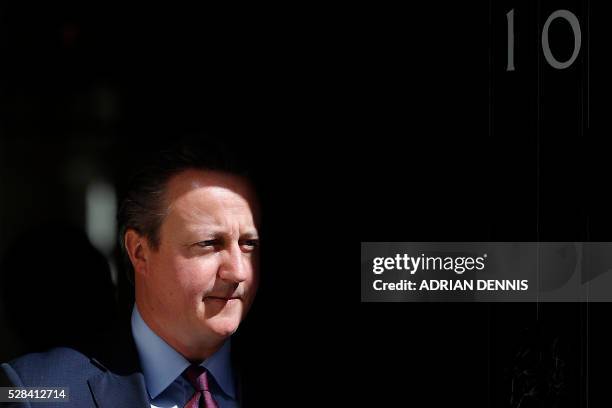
(208, 196)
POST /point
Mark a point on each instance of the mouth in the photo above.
(221, 298)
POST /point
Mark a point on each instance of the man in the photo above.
(190, 231)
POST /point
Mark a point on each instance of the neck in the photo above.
(193, 351)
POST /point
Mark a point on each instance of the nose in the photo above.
(234, 266)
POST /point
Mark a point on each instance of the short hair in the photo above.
(142, 207)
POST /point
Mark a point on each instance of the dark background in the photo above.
(461, 150)
(363, 123)
(88, 90)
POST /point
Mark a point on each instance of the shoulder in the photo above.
(58, 366)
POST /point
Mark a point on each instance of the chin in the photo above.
(225, 326)
(225, 332)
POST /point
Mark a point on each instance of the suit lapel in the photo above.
(121, 382)
(116, 391)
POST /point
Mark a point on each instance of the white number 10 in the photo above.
(552, 61)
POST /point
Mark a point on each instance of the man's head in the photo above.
(191, 235)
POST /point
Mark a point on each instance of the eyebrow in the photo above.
(249, 234)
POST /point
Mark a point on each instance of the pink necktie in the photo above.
(202, 398)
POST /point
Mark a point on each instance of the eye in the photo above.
(209, 243)
(249, 244)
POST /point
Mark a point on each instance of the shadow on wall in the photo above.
(57, 290)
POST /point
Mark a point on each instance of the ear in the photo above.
(137, 248)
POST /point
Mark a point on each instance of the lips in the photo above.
(222, 298)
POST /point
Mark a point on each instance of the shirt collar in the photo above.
(161, 364)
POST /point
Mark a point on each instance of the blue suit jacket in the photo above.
(110, 378)
(90, 383)
(103, 380)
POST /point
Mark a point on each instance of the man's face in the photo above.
(202, 279)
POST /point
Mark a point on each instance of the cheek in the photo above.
(180, 277)
(194, 275)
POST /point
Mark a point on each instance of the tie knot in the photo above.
(196, 375)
